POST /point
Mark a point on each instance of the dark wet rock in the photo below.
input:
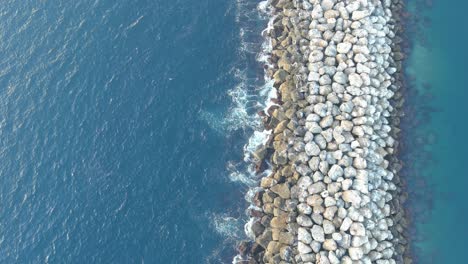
(243, 248)
(264, 239)
(257, 228)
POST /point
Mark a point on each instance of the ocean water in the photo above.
(123, 125)
(436, 145)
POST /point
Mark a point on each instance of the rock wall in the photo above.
(334, 195)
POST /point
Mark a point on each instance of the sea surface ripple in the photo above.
(105, 153)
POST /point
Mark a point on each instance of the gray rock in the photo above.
(316, 56)
(356, 253)
(347, 107)
(312, 149)
(303, 248)
(326, 121)
(340, 77)
(345, 242)
(280, 76)
(344, 47)
(328, 227)
(317, 12)
(360, 58)
(335, 172)
(357, 229)
(304, 208)
(358, 241)
(304, 182)
(358, 15)
(327, 4)
(330, 201)
(304, 236)
(317, 187)
(359, 163)
(314, 200)
(346, 224)
(317, 233)
(355, 80)
(304, 220)
(330, 245)
(352, 196)
(264, 239)
(330, 51)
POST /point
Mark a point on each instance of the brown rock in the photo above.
(264, 239)
(279, 221)
(286, 238)
(282, 190)
(280, 76)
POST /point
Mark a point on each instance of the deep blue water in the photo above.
(118, 119)
(104, 156)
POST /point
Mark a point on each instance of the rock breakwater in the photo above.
(334, 194)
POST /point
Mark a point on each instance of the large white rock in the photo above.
(312, 149)
(304, 208)
(304, 220)
(340, 77)
(356, 253)
(358, 241)
(303, 248)
(335, 172)
(359, 163)
(316, 56)
(317, 233)
(317, 12)
(327, 4)
(330, 51)
(326, 121)
(346, 224)
(360, 58)
(303, 235)
(329, 245)
(317, 187)
(357, 229)
(352, 196)
(353, 6)
(355, 80)
(328, 227)
(344, 47)
(358, 14)
(304, 182)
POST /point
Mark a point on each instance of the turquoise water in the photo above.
(438, 66)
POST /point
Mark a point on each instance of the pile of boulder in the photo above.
(334, 195)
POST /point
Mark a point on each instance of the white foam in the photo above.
(262, 6)
(243, 178)
(251, 95)
(251, 194)
(227, 226)
(248, 228)
(242, 113)
(258, 139)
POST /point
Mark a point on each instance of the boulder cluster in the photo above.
(334, 195)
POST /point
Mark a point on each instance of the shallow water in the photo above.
(438, 152)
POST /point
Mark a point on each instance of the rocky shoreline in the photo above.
(334, 194)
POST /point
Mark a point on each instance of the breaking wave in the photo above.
(253, 93)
